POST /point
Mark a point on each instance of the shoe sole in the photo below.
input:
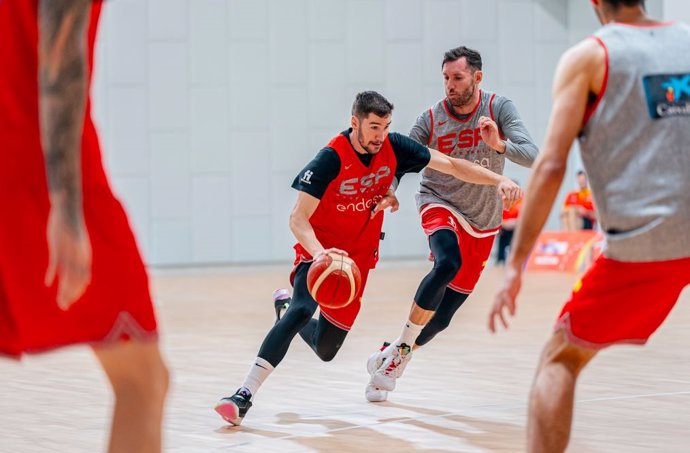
(383, 382)
(376, 395)
(230, 413)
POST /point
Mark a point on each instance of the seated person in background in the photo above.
(578, 208)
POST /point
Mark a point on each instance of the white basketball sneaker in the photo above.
(376, 359)
(395, 359)
(371, 392)
(374, 394)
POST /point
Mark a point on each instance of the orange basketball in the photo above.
(334, 280)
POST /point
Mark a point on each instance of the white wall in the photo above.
(208, 108)
(676, 10)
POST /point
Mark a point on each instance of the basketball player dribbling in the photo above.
(340, 193)
(630, 86)
(70, 270)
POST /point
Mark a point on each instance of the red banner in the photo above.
(565, 251)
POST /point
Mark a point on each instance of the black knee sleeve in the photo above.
(447, 262)
(325, 338)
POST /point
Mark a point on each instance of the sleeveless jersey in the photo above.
(117, 303)
(19, 127)
(342, 218)
(635, 143)
(479, 204)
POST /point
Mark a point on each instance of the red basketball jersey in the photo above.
(117, 302)
(19, 128)
(343, 217)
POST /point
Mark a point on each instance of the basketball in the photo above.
(334, 280)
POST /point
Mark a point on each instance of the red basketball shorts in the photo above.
(622, 302)
(475, 245)
(116, 304)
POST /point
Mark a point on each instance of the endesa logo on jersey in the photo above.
(359, 205)
(668, 95)
(359, 191)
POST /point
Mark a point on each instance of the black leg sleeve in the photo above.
(447, 261)
(323, 337)
(297, 316)
(452, 300)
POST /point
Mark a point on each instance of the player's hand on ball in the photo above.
(330, 250)
(334, 280)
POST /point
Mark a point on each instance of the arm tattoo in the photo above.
(62, 80)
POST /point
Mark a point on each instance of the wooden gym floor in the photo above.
(464, 392)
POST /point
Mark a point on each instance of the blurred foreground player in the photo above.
(70, 270)
(625, 92)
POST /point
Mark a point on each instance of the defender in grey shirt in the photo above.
(625, 93)
(460, 219)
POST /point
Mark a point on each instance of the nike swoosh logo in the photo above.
(347, 167)
(441, 123)
(261, 366)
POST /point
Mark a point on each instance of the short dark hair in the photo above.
(474, 58)
(368, 102)
(618, 3)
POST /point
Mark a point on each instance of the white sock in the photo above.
(409, 334)
(258, 373)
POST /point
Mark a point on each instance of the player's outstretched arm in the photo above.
(62, 80)
(463, 169)
(476, 174)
